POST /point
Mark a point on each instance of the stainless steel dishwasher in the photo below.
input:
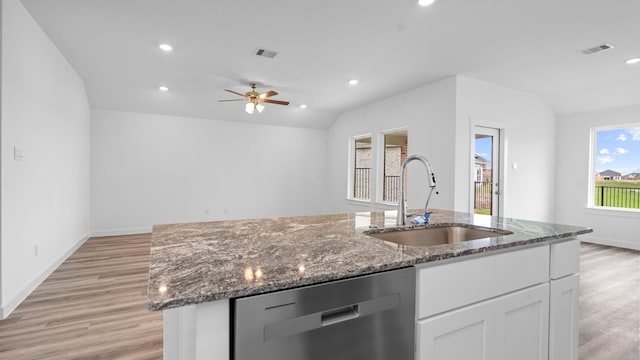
(368, 317)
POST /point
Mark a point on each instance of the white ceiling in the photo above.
(389, 45)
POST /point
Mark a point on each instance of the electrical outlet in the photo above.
(18, 153)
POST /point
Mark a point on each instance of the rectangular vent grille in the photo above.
(266, 53)
(597, 49)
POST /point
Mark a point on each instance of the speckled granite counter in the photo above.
(193, 263)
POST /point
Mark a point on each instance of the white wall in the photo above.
(429, 114)
(152, 169)
(438, 117)
(617, 228)
(45, 197)
(530, 141)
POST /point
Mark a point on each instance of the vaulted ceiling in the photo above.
(389, 46)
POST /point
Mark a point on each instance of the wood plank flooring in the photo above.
(609, 303)
(93, 306)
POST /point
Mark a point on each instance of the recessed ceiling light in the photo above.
(425, 2)
(165, 47)
(633, 61)
(303, 106)
(163, 88)
(353, 82)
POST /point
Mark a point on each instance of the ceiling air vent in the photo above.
(266, 53)
(597, 49)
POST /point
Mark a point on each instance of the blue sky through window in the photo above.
(483, 148)
(618, 150)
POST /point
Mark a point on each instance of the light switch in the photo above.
(514, 166)
(17, 153)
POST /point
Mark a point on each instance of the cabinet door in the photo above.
(563, 326)
(513, 326)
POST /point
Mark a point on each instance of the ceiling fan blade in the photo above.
(276, 102)
(268, 94)
(234, 92)
(231, 100)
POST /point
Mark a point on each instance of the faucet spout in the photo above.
(402, 206)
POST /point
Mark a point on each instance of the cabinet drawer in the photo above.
(565, 258)
(456, 284)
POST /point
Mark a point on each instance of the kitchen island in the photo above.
(196, 268)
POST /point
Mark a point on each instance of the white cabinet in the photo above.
(513, 326)
(521, 304)
(563, 327)
(564, 296)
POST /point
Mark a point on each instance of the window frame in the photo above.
(380, 152)
(351, 167)
(591, 184)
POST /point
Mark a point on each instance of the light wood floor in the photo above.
(93, 306)
(609, 303)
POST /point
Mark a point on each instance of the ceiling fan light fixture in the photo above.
(259, 107)
(249, 108)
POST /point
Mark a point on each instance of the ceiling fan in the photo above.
(254, 99)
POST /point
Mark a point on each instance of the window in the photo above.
(395, 153)
(375, 162)
(362, 160)
(616, 167)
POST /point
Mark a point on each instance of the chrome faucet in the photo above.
(402, 207)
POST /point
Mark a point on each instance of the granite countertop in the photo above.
(192, 263)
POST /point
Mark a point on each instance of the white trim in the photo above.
(591, 178)
(351, 161)
(386, 205)
(502, 178)
(358, 202)
(612, 211)
(610, 242)
(13, 303)
(117, 232)
(380, 157)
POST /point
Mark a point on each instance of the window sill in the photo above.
(375, 205)
(610, 211)
(360, 202)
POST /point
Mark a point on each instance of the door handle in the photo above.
(340, 315)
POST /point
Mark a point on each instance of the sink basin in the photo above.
(435, 234)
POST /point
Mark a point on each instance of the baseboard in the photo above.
(611, 242)
(12, 304)
(117, 232)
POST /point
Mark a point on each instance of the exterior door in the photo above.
(485, 181)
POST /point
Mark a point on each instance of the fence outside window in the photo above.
(361, 183)
(391, 188)
(482, 195)
(614, 196)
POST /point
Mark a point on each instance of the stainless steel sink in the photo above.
(435, 234)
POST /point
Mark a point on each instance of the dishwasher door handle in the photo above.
(287, 327)
(339, 315)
